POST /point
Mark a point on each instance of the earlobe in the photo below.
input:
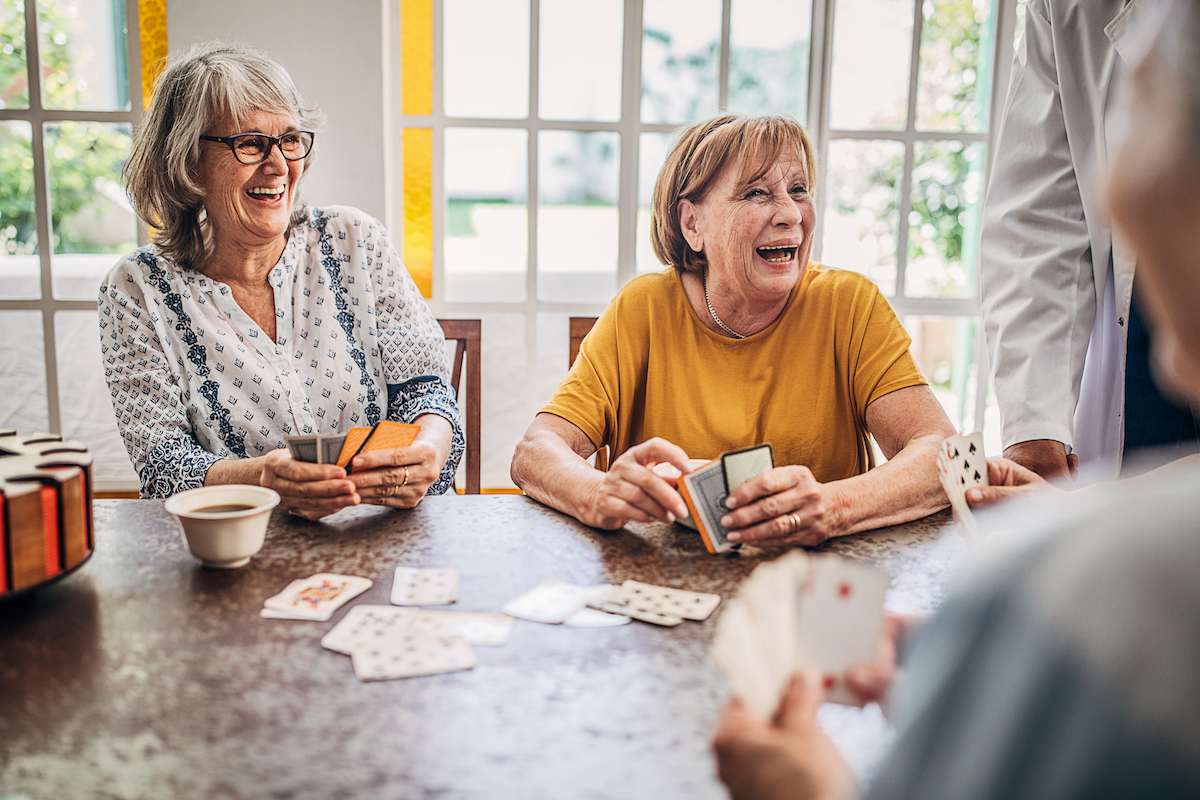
(689, 224)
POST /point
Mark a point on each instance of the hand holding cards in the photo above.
(795, 612)
(961, 465)
(704, 491)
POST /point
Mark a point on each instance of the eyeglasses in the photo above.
(255, 148)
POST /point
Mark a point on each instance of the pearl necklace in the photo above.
(711, 310)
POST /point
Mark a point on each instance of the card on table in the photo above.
(637, 612)
(665, 601)
(316, 598)
(424, 587)
(593, 618)
(409, 655)
(475, 628)
(367, 624)
(553, 602)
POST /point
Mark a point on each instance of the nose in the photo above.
(275, 163)
(787, 211)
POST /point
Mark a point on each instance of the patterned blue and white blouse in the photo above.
(195, 380)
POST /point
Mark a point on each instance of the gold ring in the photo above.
(795, 522)
(391, 490)
(405, 483)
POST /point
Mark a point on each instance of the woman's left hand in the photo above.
(398, 477)
(783, 506)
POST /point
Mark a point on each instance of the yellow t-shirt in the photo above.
(651, 368)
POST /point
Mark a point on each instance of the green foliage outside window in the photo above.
(83, 160)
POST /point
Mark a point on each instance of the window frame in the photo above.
(38, 116)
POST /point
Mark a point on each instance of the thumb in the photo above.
(800, 701)
(985, 496)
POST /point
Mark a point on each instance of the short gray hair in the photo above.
(197, 90)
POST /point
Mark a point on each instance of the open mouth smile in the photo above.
(777, 255)
(267, 192)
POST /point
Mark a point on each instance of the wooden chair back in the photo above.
(467, 335)
(580, 327)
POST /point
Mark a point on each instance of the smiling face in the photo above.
(249, 205)
(756, 237)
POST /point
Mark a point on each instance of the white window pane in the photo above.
(578, 184)
(943, 225)
(579, 59)
(84, 401)
(23, 373)
(485, 58)
(20, 268)
(91, 220)
(681, 42)
(768, 56)
(507, 410)
(82, 49)
(486, 224)
(862, 208)
(945, 350)
(652, 152)
(872, 40)
(954, 71)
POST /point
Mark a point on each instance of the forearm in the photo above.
(235, 470)
(429, 402)
(905, 488)
(548, 470)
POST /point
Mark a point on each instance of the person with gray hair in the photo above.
(1063, 666)
(251, 318)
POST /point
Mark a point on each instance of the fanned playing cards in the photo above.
(961, 465)
(341, 449)
(797, 612)
(704, 491)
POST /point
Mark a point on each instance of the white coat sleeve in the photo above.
(1039, 296)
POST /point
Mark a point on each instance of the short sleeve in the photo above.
(588, 397)
(879, 350)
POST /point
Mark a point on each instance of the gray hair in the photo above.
(197, 90)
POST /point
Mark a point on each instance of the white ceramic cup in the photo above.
(223, 539)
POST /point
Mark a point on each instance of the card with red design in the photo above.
(797, 612)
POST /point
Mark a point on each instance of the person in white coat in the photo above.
(1057, 286)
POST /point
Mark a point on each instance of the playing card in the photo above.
(769, 597)
(840, 614)
(591, 618)
(665, 601)
(638, 613)
(330, 447)
(385, 435)
(411, 654)
(317, 597)
(704, 493)
(961, 464)
(268, 613)
(736, 656)
(302, 448)
(475, 628)
(552, 601)
(424, 587)
(365, 625)
(744, 465)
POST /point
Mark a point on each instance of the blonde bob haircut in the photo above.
(198, 90)
(703, 151)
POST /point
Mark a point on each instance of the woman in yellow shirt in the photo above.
(744, 341)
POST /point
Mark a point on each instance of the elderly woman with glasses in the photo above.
(742, 341)
(251, 318)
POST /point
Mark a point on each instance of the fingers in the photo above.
(783, 506)
(798, 706)
(631, 490)
(398, 477)
(987, 496)
(307, 490)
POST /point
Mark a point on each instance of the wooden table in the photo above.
(146, 675)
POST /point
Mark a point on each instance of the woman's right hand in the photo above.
(632, 492)
(307, 490)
